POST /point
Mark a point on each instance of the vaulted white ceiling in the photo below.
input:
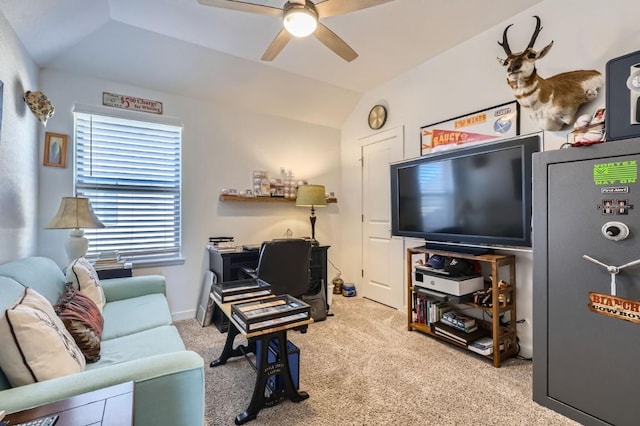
(181, 46)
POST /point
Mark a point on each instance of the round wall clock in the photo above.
(377, 117)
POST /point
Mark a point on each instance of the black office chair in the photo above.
(284, 263)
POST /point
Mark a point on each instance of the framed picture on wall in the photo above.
(55, 150)
(487, 125)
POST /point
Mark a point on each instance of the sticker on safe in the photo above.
(614, 306)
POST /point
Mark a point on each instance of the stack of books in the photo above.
(483, 346)
(222, 244)
(455, 335)
(428, 310)
(459, 321)
(458, 328)
(109, 260)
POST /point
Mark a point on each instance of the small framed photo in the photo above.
(55, 150)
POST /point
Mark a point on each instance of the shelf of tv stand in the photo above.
(501, 334)
(505, 333)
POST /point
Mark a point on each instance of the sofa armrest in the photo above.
(127, 288)
(169, 388)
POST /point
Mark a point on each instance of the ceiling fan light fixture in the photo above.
(300, 21)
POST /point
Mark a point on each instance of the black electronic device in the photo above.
(479, 196)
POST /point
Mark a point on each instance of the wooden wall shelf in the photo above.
(266, 199)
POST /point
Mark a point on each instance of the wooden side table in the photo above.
(108, 406)
(104, 274)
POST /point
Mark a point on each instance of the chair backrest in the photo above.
(284, 263)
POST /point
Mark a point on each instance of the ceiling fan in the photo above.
(300, 19)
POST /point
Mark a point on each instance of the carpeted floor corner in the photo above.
(362, 367)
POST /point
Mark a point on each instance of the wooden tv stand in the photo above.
(502, 334)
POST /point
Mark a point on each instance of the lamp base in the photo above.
(77, 244)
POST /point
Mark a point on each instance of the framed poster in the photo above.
(498, 122)
(55, 150)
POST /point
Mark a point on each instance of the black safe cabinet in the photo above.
(586, 283)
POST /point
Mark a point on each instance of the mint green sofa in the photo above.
(139, 344)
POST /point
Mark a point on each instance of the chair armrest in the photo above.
(127, 288)
(251, 272)
(140, 371)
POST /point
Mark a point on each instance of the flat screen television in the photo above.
(478, 196)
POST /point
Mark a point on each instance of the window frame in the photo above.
(142, 260)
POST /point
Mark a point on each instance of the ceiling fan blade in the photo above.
(335, 43)
(243, 6)
(339, 7)
(277, 45)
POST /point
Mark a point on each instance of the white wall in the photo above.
(468, 78)
(221, 147)
(18, 149)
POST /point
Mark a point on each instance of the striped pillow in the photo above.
(82, 318)
(36, 346)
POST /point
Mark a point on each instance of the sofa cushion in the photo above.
(10, 291)
(140, 313)
(35, 343)
(83, 277)
(83, 320)
(40, 273)
(159, 340)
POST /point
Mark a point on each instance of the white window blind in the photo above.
(131, 172)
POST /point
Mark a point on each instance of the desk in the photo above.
(228, 267)
(112, 405)
(279, 367)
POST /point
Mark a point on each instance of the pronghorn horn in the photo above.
(505, 42)
(535, 33)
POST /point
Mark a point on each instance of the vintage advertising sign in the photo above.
(130, 102)
(499, 122)
(614, 306)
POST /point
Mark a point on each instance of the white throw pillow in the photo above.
(36, 346)
(84, 278)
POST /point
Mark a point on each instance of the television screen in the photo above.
(480, 195)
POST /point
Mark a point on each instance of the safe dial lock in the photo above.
(615, 231)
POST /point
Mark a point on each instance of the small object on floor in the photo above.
(348, 290)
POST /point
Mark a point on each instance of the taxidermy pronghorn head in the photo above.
(554, 101)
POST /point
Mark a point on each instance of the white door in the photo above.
(382, 255)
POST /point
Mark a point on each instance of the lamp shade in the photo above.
(75, 213)
(299, 20)
(311, 196)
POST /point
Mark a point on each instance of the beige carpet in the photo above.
(362, 367)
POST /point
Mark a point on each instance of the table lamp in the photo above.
(311, 196)
(75, 213)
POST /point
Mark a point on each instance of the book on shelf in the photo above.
(458, 319)
(483, 346)
(428, 310)
(474, 327)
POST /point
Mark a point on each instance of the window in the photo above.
(130, 170)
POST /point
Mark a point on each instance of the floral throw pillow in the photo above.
(36, 345)
(83, 277)
(83, 320)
